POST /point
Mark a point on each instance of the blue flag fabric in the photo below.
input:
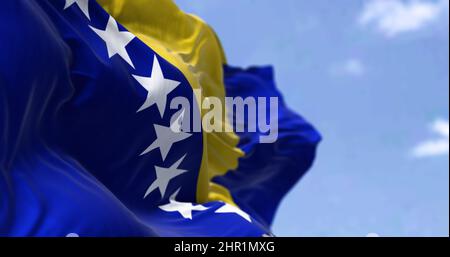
(74, 137)
(268, 171)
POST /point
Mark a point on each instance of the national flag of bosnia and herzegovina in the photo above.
(86, 145)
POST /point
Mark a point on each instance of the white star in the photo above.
(82, 4)
(227, 208)
(185, 209)
(164, 176)
(116, 40)
(72, 235)
(165, 138)
(157, 87)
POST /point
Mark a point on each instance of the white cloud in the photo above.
(392, 17)
(351, 67)
(435, 147)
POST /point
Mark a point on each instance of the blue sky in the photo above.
(373, 77)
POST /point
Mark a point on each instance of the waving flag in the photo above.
(91, 137)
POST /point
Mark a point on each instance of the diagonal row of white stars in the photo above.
(158, 88)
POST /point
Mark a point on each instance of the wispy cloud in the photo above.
(437, 146)
(351, 67)
(393, 17)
